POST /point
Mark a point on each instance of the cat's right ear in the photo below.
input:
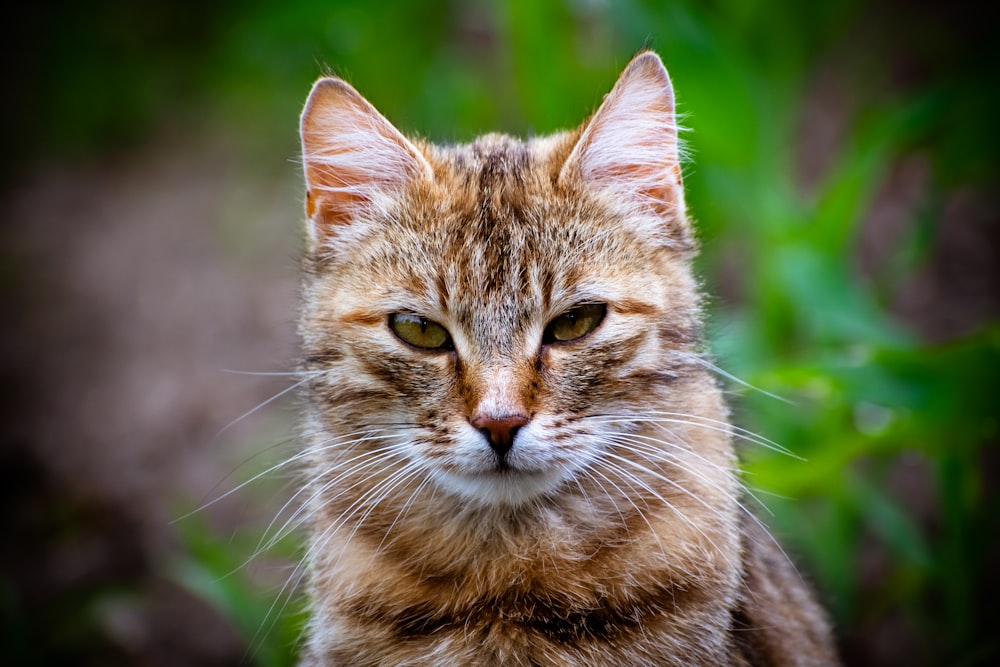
(353, 157)
(629, 148)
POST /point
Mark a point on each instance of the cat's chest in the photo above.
(535, 614)
(531, 630)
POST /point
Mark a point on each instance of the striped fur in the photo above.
(612, 531)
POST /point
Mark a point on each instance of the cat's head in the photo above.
(489, 319)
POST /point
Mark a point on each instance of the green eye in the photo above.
(575, 323)
(420, 331)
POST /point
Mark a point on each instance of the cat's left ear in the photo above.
(629, 148)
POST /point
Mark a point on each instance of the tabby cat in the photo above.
(516, 455)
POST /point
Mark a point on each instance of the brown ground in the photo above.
(133, 284)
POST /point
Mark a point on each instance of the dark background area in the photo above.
(843, 176)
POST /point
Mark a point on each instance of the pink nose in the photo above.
(500, 431)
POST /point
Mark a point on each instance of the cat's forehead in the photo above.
(499, 222)
(497, 180)
(491, 157)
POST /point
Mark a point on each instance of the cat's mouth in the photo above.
(504, 469)
(503, 484)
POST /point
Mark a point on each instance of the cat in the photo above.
(516, 454)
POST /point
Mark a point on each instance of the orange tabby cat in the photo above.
(515, 454)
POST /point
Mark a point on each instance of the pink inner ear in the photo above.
(630, 145)
(335, 194)
(656, 185)
(351, 154)
(335, 208)
(663, 199)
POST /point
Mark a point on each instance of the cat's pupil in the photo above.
(420, 331)
(575, 323)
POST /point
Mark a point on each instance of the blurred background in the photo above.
(843, 178)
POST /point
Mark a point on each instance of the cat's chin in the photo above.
(500, 487)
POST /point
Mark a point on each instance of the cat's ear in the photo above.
(630, 147)
(353, 156)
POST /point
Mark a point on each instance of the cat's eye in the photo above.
(575, 323)
(420, 331)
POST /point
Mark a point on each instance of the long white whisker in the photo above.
(680, 487)
(262, 404)
(715, 511)
(292, 459)
(701, 361)
(371, 458)
(297, 374)
(690, 451)
(628, 497)
(693, 420)
(650, 452)
(614, 503)
(402, 512)
(389, 485)
(320, 543)
(294, 522)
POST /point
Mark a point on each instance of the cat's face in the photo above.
(486, 320)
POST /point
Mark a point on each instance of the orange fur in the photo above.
(611, 532)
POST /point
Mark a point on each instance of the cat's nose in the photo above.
(500, 431)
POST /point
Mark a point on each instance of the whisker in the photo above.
(262, 404)
(688, 520)
(701, 361)
(275, 373)
(402, 512)
(646, 447)
(318, 545)
(304, 453)
(692, 420)
(371, 458)
(738, 472)
(715, 511)
(614, 504)
(293, 522)
(649, 452)
(629, 478)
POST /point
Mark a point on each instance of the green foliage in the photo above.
(870, 400)
(220, 572)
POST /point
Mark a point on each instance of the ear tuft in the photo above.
(352, 155)
(630, 147)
